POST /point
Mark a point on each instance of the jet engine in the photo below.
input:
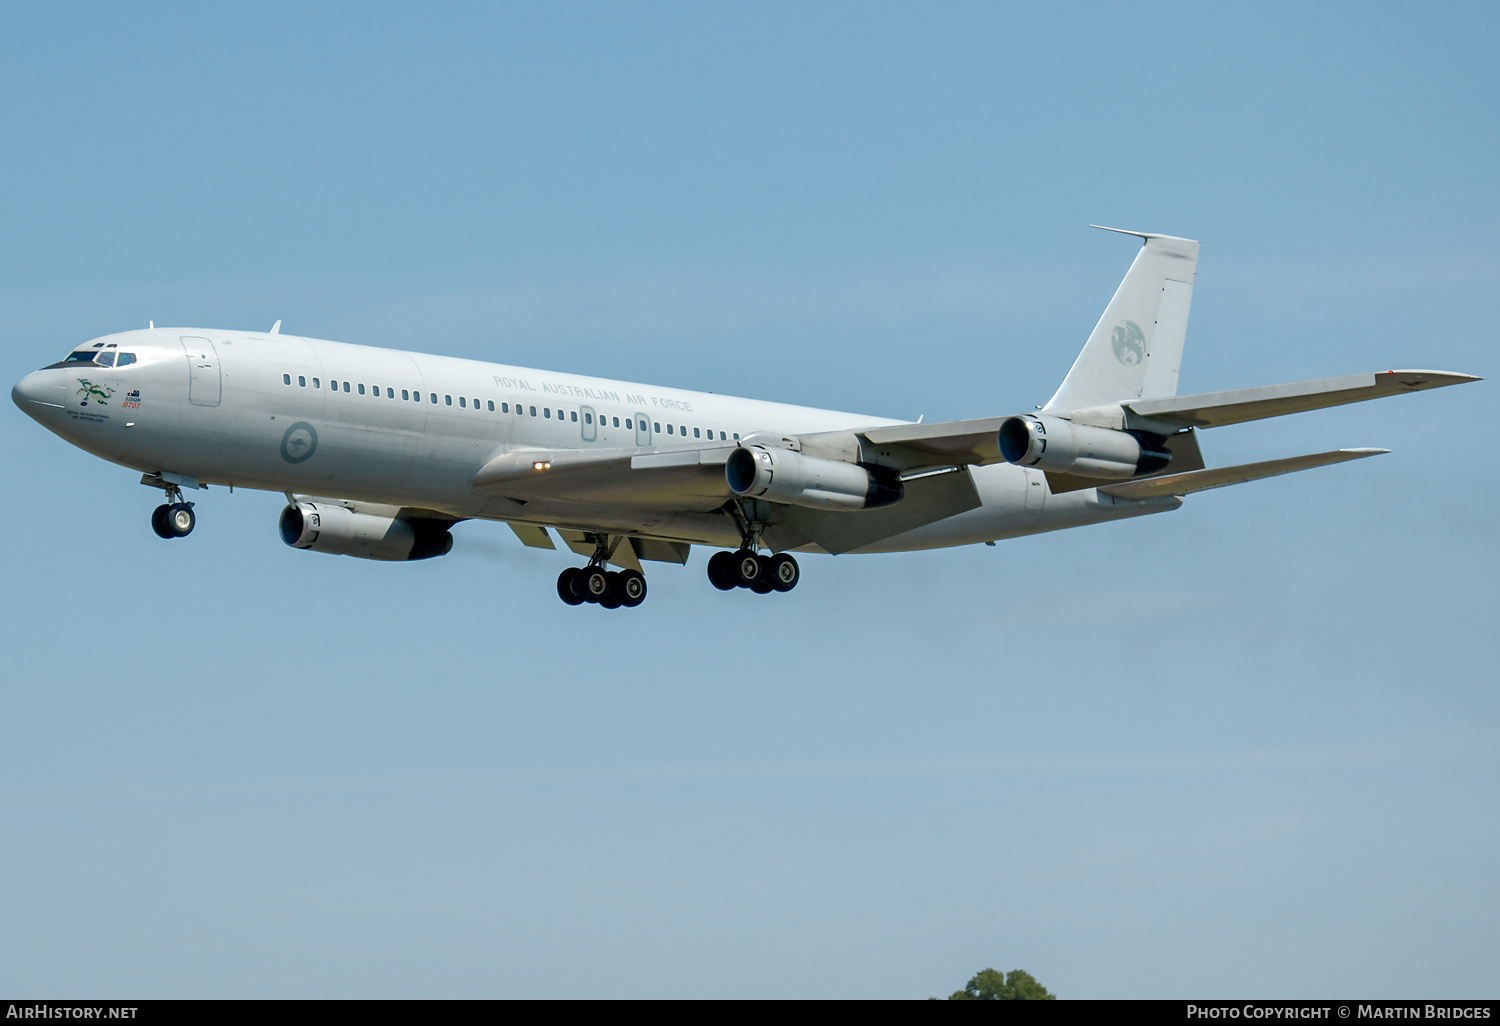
(781, 475)
(329, 527)
(1052, 443)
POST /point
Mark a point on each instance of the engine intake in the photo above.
(1056, 444)
(781, 475)
(327, 527)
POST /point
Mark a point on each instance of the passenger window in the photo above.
(125, 360)
(448, 400)
(346, 386)
(683, 429)
(462, 402)
(588, 418)
(316, 383)
(492, 405)
(617, 422)
(669, 429)
(572, 416)
(434, 398)
(286, 379)
(658, 428)
(301, 381)
(476, 404)
(390, 393)
(736, 436)
(547, 412)
(405, 394)
(695, 432)
(627, 424)
(533, 411)
(361, 389)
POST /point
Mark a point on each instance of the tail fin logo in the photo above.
(1129, 343)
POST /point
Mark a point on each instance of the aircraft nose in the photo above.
(43, 388)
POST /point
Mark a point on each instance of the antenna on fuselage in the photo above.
(151, 325)
(276, 328)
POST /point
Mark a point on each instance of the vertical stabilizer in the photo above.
(1135, 350)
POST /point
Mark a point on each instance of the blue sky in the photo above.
(1246, 748)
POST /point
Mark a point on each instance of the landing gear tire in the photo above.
(721, 571)
(784, 572)
(631, 585)
(159, 522)
(566, 587)
(611, 599)
(180, 519)
(593, 583)
(747, 568)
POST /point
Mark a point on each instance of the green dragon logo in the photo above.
(98, 393)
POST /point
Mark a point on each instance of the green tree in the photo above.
(1016, 985)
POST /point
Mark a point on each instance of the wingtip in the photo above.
(1446, 377)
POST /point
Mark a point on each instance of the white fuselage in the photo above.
(299, 415)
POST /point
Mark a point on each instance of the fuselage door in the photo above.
(642, 429)
(1036, 490)
(203, 371)
(590, 429)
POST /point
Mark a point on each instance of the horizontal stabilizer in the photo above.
(1201, 480)
(1216, 409)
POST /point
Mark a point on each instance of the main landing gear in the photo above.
(745, 567)
(593, 583)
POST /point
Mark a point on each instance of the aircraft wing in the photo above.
(1216, 409)
(956, 442)
(1218, 477)
(692, 479)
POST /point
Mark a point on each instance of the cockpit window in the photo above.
(73, 360)
(106, 358)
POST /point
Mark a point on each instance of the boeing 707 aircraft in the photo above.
(381, 451)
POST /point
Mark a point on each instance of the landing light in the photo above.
(542, 465)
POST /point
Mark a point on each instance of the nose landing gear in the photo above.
(175, 517)
(175, 520)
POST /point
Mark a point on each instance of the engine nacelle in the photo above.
(328, 527)
(1056, 444)
(781, 475)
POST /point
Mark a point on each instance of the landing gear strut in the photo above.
(593, 583)
(746, 568)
